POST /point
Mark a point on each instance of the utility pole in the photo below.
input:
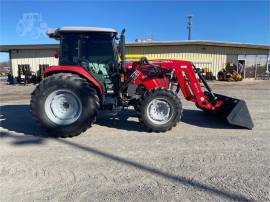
(189, 26)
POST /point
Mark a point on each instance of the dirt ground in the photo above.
(202, 159)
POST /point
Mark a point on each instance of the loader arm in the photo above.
(234, 110)
(190, 85)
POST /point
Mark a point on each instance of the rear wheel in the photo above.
(64, 104)
(159, 110)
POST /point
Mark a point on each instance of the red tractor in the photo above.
(91, 79)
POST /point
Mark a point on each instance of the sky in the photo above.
(24, 22)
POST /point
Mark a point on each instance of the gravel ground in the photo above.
(202, 159)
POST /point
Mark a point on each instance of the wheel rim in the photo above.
(63, 107)
(159, 111)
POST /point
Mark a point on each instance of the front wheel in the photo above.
(64, 105)
(159, 110)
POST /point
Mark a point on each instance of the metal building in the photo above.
(211, 54)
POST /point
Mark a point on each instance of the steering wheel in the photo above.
(144, 61)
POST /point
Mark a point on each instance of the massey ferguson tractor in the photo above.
(93, 77)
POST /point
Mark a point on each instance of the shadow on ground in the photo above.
(18, 119)
(205, 120)
(192, 117)
(121, 121)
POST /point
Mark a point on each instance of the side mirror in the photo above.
(56, 55)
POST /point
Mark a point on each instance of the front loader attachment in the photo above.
(235, 111)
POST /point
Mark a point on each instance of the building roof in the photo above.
(201, 42)
(6, 48)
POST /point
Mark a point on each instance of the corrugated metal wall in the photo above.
(32, 57)
(213, 57)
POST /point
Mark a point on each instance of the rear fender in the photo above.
(75, 70)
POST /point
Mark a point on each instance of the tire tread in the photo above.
(152, 94)
(35, 96)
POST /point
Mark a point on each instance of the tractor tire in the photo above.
(159, 110)
(64, 104)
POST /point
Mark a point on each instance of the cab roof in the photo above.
(54, 32)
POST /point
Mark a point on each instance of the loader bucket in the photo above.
(235, 111)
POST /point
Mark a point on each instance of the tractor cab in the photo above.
(92, 48)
